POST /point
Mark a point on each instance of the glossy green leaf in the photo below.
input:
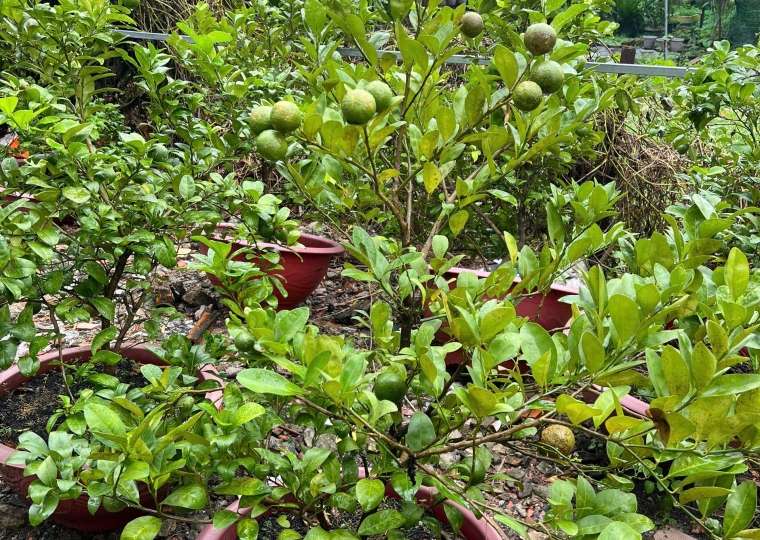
(740, 508)
(142, 528)
(421, 432)
(264, 381)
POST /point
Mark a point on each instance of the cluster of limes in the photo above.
(547, 77)
(271, 124)
(359, 106)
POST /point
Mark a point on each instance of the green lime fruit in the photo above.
(477, 475)
(527, 96)
(23, 85)
(549, 76)
(245, 342)
(682, 148)
(472, 24)
(582, 131)
(358, 107)
(540, 38)
(130, 4)
(266, 229)
(260, 119)
(559, 437)
(382, 93)
(271, 145)
(159, 153)
(390, 386)
(285, 117)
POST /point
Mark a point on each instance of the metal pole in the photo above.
(665, 37)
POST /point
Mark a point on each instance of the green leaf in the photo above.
(513, 524)
(693, 494)
(248, 529)
(740, 508)
(246, 413)
(101, 419)
(737, 273)
(592, 352)
(78, 195)
(431, 177)
(142, 528)
(369, 493)
(191, 496)
(575, 410)
(625, 316)
(564, 17)
(617, 530)
(421, 432)
(263, 381)
(703, 365)
(382, 521)
(455, 517)
(733, 383)
(676, 372)
(458, 221)
(104, 336)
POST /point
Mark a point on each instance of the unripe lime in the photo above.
(540, 38)
(245, 342)
(131, 4)
(527, 96)
(390, 386)
(260, 119)
(382, 93)
(23, 85)
(271, 145)
(472, 24)
(285, 116)
(682, 148)
(582, 131)
(358, 107)
(549, 76)
(559, 437)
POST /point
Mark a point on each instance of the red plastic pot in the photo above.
(472, 527)
(545, 310)
(303, 268)
(74, 513)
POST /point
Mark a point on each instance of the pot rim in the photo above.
(206, 372)
(334, 248)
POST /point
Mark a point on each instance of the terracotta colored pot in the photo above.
(303, 268)
(472, 527)
(74, 513)
(546, 311)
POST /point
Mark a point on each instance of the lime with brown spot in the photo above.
(527, 96)
(260, 119)
(560, 438)
(358, 107)
(472, 24)
(382, 93)
(271, 145)
(285, 116)
(549, 76)
(540, 38)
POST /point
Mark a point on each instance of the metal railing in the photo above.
(601, 67)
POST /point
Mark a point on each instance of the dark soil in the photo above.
(34, 402)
